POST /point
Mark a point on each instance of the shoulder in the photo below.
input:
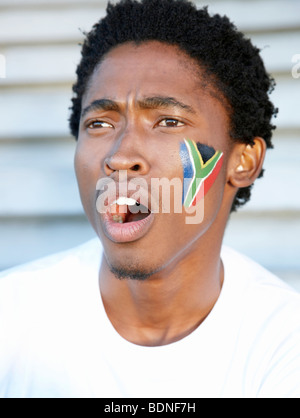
(41, 306)
(268, 314)
(261, 291)
(267, 306)
(24, 284)
(84, 251)
(245, 270)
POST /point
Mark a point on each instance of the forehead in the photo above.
(130, 73)
(151, 67)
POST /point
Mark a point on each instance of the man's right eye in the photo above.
(98, 124)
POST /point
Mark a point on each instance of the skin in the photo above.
(187, 272)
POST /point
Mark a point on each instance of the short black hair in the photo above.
(224, 54)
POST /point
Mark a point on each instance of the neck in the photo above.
(170, 304)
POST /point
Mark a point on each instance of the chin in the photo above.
(129, 262)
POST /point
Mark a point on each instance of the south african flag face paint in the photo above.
(201, 166)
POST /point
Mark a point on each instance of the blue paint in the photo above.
(188, 169)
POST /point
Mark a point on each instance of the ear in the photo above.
(246, 163)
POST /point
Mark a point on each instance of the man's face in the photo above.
(142, 102)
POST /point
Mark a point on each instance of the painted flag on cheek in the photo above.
(199, 176)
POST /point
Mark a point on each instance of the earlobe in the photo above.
(246, 163)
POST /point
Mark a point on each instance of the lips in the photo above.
(127, 220)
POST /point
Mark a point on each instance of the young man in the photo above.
(165, 92)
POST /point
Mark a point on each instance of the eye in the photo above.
(98, 124)
(170, 123)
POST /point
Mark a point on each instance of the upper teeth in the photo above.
(125, 201)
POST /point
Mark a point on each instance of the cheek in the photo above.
(199, 174)
(82, 169)
(87, 174)
(87, 162)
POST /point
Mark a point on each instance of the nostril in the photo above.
(136, 167)
(118, 162)
(108, 170)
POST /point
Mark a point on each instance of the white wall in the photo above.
(40, 210)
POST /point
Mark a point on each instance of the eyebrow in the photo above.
(101, 104)
(162, 102)
(155, 102)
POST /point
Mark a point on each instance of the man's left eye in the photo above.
(170, 123)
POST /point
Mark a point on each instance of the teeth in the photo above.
(125, 201)
(121, 208)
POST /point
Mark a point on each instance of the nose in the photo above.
(127, 156)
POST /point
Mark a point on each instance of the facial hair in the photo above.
(132, 273)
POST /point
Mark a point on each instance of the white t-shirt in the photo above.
(56, 339)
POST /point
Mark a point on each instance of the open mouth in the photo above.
(127, 220)
(127, 210)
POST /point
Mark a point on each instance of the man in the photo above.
(159, 309)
